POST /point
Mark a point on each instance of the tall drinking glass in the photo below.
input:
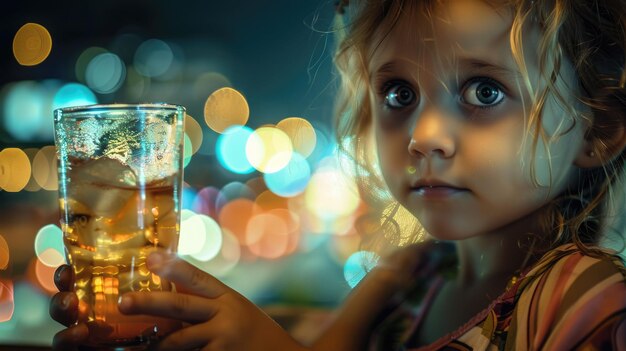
(120, 182)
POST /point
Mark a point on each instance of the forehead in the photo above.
(471, 28)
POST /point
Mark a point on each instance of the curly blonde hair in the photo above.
(590, 35)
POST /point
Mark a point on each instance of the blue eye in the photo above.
(399, 96)
(483, 93)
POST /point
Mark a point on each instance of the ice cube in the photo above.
(104, 171)
(102, 192)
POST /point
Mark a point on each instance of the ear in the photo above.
(603, 143)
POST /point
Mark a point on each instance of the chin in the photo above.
(448, 233)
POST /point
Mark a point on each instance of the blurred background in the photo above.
(240, 67)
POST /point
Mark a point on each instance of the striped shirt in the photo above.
(566, 301)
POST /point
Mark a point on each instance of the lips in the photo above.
(432, 188)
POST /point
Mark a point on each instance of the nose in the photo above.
(432, 134)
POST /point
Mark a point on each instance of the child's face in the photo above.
(449, 112)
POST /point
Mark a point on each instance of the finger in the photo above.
(64, 308)
(64, 278)
(189, 338)
(69, 339)
(187, 278)
(184, 307)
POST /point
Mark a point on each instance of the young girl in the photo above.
(501, 126)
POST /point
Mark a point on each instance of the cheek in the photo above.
(392, 156)
(562, 139)
(554, 157)
(554, 162)
(492, 155)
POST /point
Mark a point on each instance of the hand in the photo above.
(412, 264)
(382, 289)
(64, 309)
(219, 317)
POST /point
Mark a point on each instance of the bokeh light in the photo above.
(194, 132)
(73, 94)
(301, 133)
(32, 44)
(7, 300)
(234, 190)
(31, 306)
(187, 150)
(269, 200)
(32, 184)
(4, 253)
(105, 73)
(205, 201)
(343, 246)
(188, 197)
(200, 236)
(44, 272)
(153, 58)
(224, 108)
(324, 147)
(174, 72)
(45, 168)
(50, 237)
(136, 85)
(225, 260)
(267, 235)
(208, 82)
(213, 243)
(357, 266)
(83, 60)
(235, 216)
(269, 149)
(257, 184)
(14, 169)
(294, 229)
(231, 149)
(24, 110)
(330, 194)
(292, 179)
(192, 236)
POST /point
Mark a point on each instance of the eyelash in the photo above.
(492, 81)
(386, 88)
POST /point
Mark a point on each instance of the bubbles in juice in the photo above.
(111, 223)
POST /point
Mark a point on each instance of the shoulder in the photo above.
(569, 299)
(570, 275)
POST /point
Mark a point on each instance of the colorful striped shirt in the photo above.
(566, 301)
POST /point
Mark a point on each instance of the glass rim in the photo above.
(120, 107)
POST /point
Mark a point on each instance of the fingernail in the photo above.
(124, 302)
(65, 301)
(155, 260)
(57, 276)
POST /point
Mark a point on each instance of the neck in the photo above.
(497, 255)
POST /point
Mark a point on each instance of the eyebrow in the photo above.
(463, 63)
(388, 67)
(489, 67)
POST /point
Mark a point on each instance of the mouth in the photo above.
(436, 189)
